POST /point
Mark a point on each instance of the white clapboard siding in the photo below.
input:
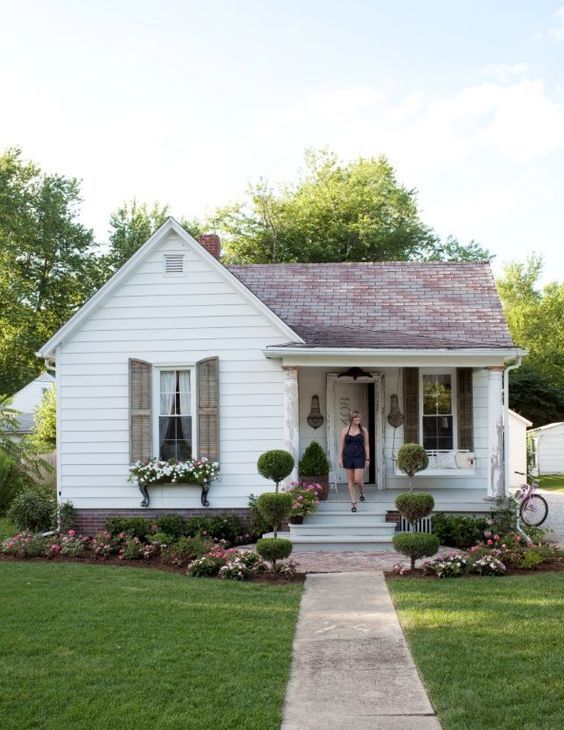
(168, 321)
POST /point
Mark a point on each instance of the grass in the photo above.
(489, 649)
(93, 646)
(554, 482)
(7, 529)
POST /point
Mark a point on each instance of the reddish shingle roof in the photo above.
(381, 305)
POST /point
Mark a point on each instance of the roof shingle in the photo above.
(383, 305)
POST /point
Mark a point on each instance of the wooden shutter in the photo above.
(140, 421)
(464, 409)
(411, 405)
(208, 408)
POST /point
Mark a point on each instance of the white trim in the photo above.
(59, 427)
(277, 351)
(156, 396)
(169, 226)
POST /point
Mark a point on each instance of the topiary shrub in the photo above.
(33, 511)
(275, 465)
(411, 459)
(314, 462)
(275, 507)
(259, 523)
(416, 545)
(414, 505)
(273, 549)
(173, 525)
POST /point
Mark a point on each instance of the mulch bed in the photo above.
(272, 579)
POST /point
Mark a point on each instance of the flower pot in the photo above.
(323, 480)
(297, 520)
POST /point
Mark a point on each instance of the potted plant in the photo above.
(305, 500)
(314, 468)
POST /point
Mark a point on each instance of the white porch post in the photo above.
(496, 482)
(291, 416)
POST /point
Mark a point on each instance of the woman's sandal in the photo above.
(362, 497)
(353, 508)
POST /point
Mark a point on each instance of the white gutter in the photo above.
(506, 423)
(275, 352)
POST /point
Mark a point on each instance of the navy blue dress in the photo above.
(354, 455)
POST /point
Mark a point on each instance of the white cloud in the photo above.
(558, 30)
(505, 71)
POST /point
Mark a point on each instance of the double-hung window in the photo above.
(438, 416)
(175, 439)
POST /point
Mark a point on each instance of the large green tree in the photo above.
(535, 316)
(131, 225)
(48, 265)
(355, 211)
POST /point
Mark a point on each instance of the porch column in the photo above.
(496, 482)
(291, 416)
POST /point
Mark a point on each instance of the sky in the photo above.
(187, 103)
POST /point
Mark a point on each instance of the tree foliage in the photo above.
(47, 263)
(535, 319)
(132, 224)
(44, 437)
(355, 211)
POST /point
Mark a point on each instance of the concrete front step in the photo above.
(346, 517)
(337, 543)
(368, 529)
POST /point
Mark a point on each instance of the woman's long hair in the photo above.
(352, 416)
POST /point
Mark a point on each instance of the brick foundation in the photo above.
(91, 521)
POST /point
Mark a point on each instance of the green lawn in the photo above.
(7, 529)
(490, 650)
(93, 646)
(554, 482)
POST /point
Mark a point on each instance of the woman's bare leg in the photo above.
(350, 480)
(359, 479)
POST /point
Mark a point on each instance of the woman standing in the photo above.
(354, 455)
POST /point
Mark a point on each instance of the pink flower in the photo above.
(518, 538)
(487, 533)
(497, 537)
(490, 542)
(71, 533)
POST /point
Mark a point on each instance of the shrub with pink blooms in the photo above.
(25, 545)
(305, 498)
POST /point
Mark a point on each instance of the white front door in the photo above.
(348, 396)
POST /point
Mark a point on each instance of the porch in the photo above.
(334, 528)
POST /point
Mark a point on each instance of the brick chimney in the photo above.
(212, 243)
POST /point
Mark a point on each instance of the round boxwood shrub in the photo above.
(411, 459)
(273, 549)
(275, 465)
(275, 507)
(415, 505)
(33, 511)
(416, 545)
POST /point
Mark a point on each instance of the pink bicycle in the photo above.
(533, 509)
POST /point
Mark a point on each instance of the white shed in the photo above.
(517, 448)
(26, 400)
(548, 444)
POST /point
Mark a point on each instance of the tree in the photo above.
(44, 437)
(535, 319)
(335, 212)
(48, 265)
(134, 223)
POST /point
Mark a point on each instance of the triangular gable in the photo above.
(103, 294)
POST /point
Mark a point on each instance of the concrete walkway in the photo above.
(351, 668)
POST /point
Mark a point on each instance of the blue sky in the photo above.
(188, 102)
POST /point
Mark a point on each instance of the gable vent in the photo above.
(174, 263)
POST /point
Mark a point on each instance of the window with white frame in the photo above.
(438, 415)
(175, 415)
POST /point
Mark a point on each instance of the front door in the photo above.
(344, 395)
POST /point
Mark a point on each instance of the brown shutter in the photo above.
(464, 409)
(208, 408)
(411, 405)
(140, 426)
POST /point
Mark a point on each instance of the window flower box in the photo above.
(158, 471)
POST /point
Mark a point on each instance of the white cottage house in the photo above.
(548, 449)
(177, 355)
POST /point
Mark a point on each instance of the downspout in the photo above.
(49, 364)
(506, 423)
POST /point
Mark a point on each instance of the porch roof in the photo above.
(404, 305)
